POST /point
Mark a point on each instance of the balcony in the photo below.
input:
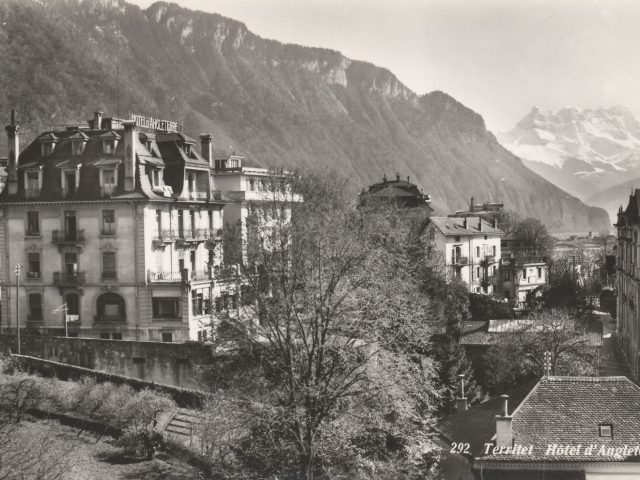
(68, 279)
(200, 276)
(34, 276)
(109, 276)
(31, 193)
(163, 238)
(75, 237)
(165, 277)
(192, 236)
(460, 260)
(69, 192)
(198, 195)
(107, 191)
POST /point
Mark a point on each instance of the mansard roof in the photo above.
(153, 151)
(631, 215)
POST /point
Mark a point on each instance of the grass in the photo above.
(86, 456)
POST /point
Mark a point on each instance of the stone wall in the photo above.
(168, 363)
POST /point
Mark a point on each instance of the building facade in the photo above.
(116, 228)
(470, 247)
(410, 200)
(628, 281)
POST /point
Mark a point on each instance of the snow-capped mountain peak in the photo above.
(582, 151)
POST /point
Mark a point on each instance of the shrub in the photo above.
(141, 441)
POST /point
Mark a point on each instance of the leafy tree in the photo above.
(519, 354)
(533, 238)
(342, 330)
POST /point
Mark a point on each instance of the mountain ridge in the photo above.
(584, 151)
(278, 104)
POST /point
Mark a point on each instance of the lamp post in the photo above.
(18, 269)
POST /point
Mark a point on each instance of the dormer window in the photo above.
(77, 148)
(605, 430)
(155, 178)
(187, 149)
(108, 181)
(108, 147)
(46, 148)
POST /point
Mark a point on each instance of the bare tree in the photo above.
(341, 323)
(533, 238)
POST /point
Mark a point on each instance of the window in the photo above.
(197, 299)
(252, 184)
(109, 265)
(539, 272)
(71, 264)
(524, 273)
(477, 272)
(32, 184)
(494, 250)
(116, 336)
(155, 178)
(35, 306)
(165, 307)
(108, 222)
(108, 147)
(507, 275)
(70, 225)
(76, 148)
(605, 430)
(33, 224)
(109, 181)
(111, 308)
(180, 224)
(495, 269)
(167, 337)
(47, 148)
(33, 264)
(104, 335)
(477, 251)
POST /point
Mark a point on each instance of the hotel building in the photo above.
(116, 226)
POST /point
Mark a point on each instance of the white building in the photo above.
(471, 250)
(250, 188)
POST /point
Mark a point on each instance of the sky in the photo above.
(498, 57)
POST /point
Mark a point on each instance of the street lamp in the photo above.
(18, 270)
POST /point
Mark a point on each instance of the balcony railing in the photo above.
(31, 193)
(109, 318)
(109, 275)
(107, 191)
(61, 237)
(163, 237)
(69, 192)
(32, 233)
(62, 278)
(108, 229)
(198, 195)
(460, 260)
(202, 275)
(165, 277)
(34, 275)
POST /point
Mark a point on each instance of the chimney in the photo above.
(461, 401)
(504, 431)
(206, 148)
(495, 223)
(13, 143)
(408, 179)
(97, 121)
(397, 176)
(464, 222)
(480, 224)
(130, 144)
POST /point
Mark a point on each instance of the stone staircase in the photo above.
(183, 426)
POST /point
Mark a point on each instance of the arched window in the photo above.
(111, 308)
(35, 306)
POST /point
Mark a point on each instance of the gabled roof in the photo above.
(108, 135)
(48, 137)
(569, 410)
(79, 136)
(455, 226)
(556, 410)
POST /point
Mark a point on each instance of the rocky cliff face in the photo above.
(278, 104)
(581, 151)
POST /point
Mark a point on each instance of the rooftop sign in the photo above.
(154, 123)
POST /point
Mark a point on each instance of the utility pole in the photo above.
(18, 269)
